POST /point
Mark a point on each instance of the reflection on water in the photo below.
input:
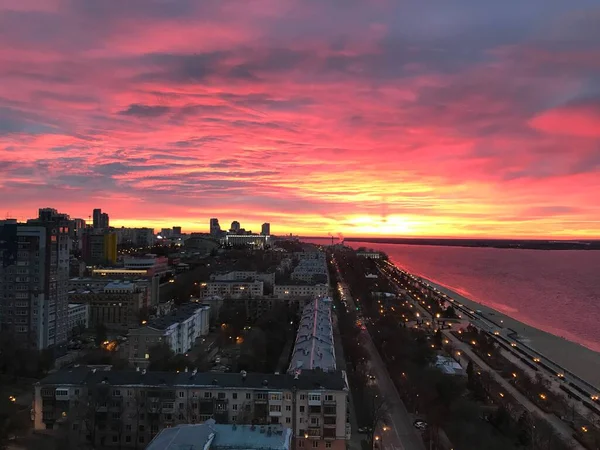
(557, 291)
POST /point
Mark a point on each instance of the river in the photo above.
(557, 291)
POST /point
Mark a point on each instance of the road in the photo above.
(559, 426)
(401, 434)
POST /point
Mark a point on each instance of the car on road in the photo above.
(365, 430)
(420, 424)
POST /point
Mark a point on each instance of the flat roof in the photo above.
(180, 314)
(307, 380)
(210, 435)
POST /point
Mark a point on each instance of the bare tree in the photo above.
(376, 409)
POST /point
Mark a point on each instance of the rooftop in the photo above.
(314, 346)
(210, 435)
(179, 315)
(307, 380)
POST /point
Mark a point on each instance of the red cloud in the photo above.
(576, 119)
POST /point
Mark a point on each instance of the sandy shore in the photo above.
(578, 359)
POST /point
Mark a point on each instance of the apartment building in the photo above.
(179, 330)
(245, 275)
(234, 289)
(129, 408)
(300, 289)
(34, 273)
(79, 316)
(314, 347)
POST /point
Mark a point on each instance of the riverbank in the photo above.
(580, 360)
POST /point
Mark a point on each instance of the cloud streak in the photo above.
(392, 117)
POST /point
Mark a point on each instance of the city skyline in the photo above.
(386, 118)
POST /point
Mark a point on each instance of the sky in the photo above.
(381, 117)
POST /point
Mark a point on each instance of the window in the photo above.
(168, 417)
(275, 396)
(234, 395)
(234, 407)
(275, 408)
(221, 395)
(327, 444)
(181, 394)
(301, 419)
(127, 427)
(301, 443)
(208, 395)
(248, 396)
(301, 408)
(288, 420)
(141, 428)
(314, 397)
(233, 418)
(76, 391)
(141, 439)
(128, 439)
(288, 407)
(314, 421)
(275, 420)
(302, 397)
(180, 416)
(315, 444)
(329, 398)
(288, 396)
(116, 393)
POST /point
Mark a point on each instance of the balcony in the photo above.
(314, 432)
(330, 411)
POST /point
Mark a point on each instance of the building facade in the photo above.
(129, 408)
(79, 316)
(179, 330)
(300, 290)
(233, 289)
(265, 229)
(34, 274)
(117, 305)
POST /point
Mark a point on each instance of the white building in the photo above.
(79, 316)
(245, 275)
(234, 289)
(314, 346)
(300, 290)
(179, 330)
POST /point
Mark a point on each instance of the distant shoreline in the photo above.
(519, 244)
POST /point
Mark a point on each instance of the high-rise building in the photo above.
(177, 231)
(34, 274)
(97, 217)
(104, 223)
(99, 246)
(266, 229)
(215, 228)
(235, 227)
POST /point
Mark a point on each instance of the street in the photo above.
(401, 433)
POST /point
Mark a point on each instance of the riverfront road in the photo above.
(565, 432)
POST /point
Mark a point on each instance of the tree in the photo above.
(376, 409)
(470, 373)
(437, 339)
(161, 356)
(100, 334)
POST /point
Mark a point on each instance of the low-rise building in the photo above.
(247, 240)
(179, 330)
(117, 305)
(129, 408)
(368, 254)
(233, 289)
(245, 275)
(78, 316)
(300, 290)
